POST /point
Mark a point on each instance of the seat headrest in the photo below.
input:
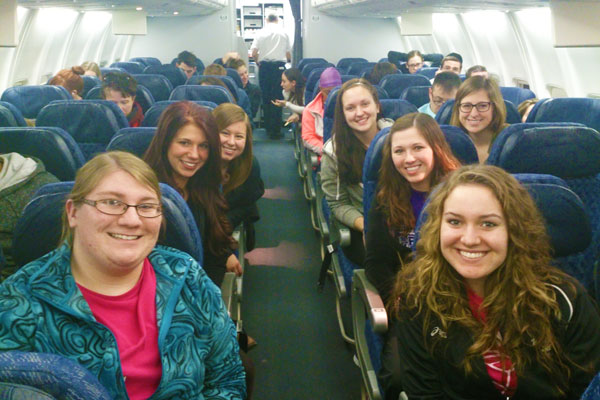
(16, 114)
(461, 144)
(227, 80)
(216, 94)
(133, 140)
(29, 100)
(395, 84)
(159, 85)
(395, 108)
(568, 109)
(566, 151)
(417, 95)
(516, 95)
(171, 72)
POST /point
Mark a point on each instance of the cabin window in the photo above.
(556, 91)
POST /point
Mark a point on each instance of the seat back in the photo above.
(568, 109)
(233, 74)
(309, 67)
(107, 70)
(328, 113)
(434, 58)
(152, 116)
(357, 68)
(417, 95)
(146, 61)
(29, 100)
(40, 223)
(157, 84)
(444, 114)
(10, 116)
(394, 84)
(311, 88)
(59, 152)
(227, 80)
(344, 63)
(428, 72)
(516, 95)
(48, 376)
(172, 73)
(142, 95)
(309, 60)
(395, 108)
(593, 390)
(570, 153)
(216, 94)
(133, 140)
(88, 83)
(129, 66)
(92, 123)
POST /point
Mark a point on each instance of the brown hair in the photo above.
(380, 70)
(214, 69)
(92, 66)
(70, 79)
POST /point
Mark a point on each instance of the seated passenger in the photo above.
(91, 69)
(121, 88)
(380, 70)
(482, 313)
(214, 69)
(525, 108)
(415, 158)
(458, 57)
(445, 85)
(414, 63)
(187, 62)
(253, 91)
(450, 64)
(480, 111)
(185, 153)
(355, 125)
(477, 70)
(292, 83)
(20, 178)
(144, 319)
(242, 183)
(312, 116)
(230, 55)
(71, 80)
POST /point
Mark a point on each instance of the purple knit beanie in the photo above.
(329, 78)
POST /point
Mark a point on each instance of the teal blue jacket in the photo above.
(42, 310)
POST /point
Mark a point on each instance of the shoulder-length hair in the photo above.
(203, 188)
(474, 84)
(349, 151)
(70, 79)
(239, 168)
(519, 302)
(393, 195)
(297, 95)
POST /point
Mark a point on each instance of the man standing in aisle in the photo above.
(273, 47)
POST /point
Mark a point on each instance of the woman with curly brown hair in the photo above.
(481, 312)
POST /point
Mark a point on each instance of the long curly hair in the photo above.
(349, 151)
(519, 302)
(203, 188)
(393, 194)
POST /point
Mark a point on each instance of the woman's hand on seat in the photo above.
(233, 265)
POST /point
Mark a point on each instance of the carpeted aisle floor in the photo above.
(300, 353)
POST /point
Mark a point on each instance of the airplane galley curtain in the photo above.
(296, 6)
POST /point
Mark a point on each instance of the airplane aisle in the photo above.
(300, 353)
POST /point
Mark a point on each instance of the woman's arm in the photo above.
(310, 137)
(296, 108)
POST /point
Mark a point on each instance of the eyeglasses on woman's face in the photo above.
(117, 207)
(481, 106)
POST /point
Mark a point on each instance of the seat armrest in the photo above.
(342, 232)
(228, 289)
(373, 303)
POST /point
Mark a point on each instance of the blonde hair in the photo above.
(92, 66)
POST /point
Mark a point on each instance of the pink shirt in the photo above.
(131, 317)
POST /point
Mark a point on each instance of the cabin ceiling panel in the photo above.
(395, 8)
(156, 8)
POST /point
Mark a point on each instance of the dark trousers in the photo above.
(269, 77)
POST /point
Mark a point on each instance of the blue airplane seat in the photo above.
(357, 68)
(593, 390)
(29, 375)
(29, 100)
(92, 123)
(444, 114)
(146, 61)
(328, 113)
(570, 153)
(227, 80)
(16, 116)
(157, 84)
(142, 95)
(7, 118)
(461, 144)
(233, 74)
(107, 70)
(309, 67)
(417, 95)
(129, 66)
(567, 109)
(310, 87)
(516, 95)
(59, 152)
(395, 108)
(153, 114)
(344, 63)
(309, 60)
(172, 73)
(40, 223)
(395, 84)
(428, 72)
(133, 140)
(216, 94)
(88, 83)
(434, 58)
(382, 93)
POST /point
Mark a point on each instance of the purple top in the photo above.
(417, 200)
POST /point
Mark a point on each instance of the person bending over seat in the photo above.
(293, 84)
(185, 153)
(415, 158)
(121, 88)
(242, 183)
(482, 313)
(480, 111)
(355, 125)
(71, 80)
(312, 115)
(144, 319)
(445, 85)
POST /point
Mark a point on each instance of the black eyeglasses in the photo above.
(481, 107)
(117, 207)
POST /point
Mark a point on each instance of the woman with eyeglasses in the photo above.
(480, 111)
(414, 62)
(144, 319)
